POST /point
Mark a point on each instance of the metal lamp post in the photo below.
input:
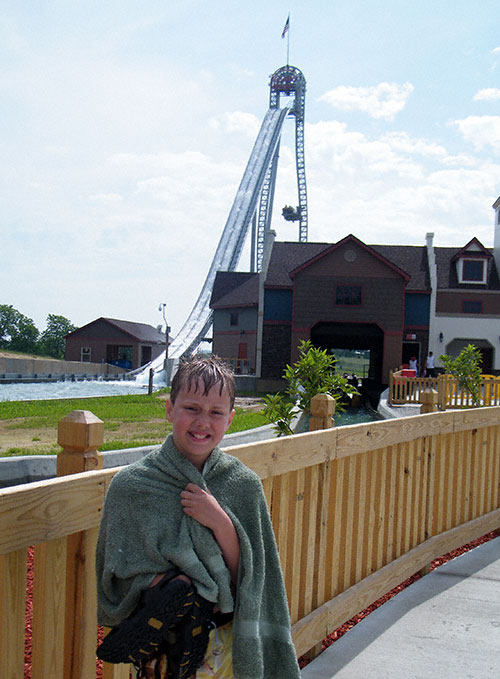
(161, 307)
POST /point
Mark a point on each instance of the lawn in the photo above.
(30, 427)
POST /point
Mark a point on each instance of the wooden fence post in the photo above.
(322, 409)
(429, 401)
(80, 434)
(441, 380)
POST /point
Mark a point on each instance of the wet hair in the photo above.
(208, 371)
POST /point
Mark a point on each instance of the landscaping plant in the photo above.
(313, 373)
(466, 368)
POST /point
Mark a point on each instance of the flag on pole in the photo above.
(287, 26)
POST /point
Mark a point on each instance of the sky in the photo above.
(126, 127)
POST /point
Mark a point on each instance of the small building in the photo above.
(108, 340)
(388, 303)
(235, 297)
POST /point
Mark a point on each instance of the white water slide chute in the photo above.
(255, 195)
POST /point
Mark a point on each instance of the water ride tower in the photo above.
(285, 82)
(253, 203)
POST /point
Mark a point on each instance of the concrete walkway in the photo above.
(446, 626)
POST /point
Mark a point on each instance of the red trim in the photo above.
(269, 322)
(235, 332)
(234, 306)
(464, 252)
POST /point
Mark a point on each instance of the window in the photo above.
(348, 295)
(233, 319)
(472, 271)
(85, 354)
(472, 306)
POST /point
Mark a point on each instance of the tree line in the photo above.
(19, 333)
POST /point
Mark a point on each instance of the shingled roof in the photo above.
(447, 272)
(410, 258)
(235, 288)
(141, 332)
(240, 289)
(287, 256)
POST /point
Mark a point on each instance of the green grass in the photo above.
(114, 411)
(244, 420)
(36, 414)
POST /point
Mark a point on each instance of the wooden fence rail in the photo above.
(356, 510)
(404, 390)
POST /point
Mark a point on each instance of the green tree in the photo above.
(17, 331)
(466, 367)
(52, 342)
(314, 373)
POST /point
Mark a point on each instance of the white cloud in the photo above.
(382, 101)
(105, 198)
(236, 122)
(481, 131)
(390, 188)
(488, 94)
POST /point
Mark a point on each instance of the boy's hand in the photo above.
(205, 509)
(202, 506)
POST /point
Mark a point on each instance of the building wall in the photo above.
(382, 299)
(484, 330)
(278, 305)
(97, 336)
(382, 291)
(98, 347)
(276, 342)
(417, 307)
(227, 338)
(451, 301)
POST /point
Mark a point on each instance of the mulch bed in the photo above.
(340, 631)
(304, 660)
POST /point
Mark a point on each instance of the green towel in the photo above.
(144, 531)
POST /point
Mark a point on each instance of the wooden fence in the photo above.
(403, 390)
(356, 510)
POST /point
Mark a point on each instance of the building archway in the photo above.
(361, 336)
(454, 347)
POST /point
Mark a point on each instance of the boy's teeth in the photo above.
(199, 436)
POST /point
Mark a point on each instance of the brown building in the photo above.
(108, 340)
(391, 302)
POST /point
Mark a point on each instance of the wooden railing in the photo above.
(403, 390)
(356, 510)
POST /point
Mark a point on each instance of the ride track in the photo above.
(252, 205)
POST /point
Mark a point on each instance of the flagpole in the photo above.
(288, 44)
(286, 31)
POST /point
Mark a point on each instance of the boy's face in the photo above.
(199, 422)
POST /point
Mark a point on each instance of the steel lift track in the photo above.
(255, 194)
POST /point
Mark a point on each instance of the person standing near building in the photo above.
(430, 370)
(414, 365)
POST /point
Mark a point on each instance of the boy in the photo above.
(193, 517)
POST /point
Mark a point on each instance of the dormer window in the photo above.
(471, 270)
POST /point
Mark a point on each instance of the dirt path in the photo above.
(43, 440)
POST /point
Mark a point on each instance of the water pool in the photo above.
(356, 416)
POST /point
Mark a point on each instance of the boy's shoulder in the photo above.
(232, 468)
